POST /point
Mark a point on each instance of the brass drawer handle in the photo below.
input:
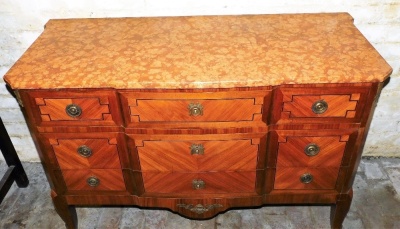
(73, 110)
(84, 151)
(195, 109)
(311, 149)
(197, 149)
(198, 184)
(306, 178)
(319, 107)
(93, 181)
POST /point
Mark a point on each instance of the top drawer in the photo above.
(319, 104)
(230, 106)
(66, 107)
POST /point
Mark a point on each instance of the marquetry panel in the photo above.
(109, 179)
(176, 107)
(178, 111)
(55, 109)
(292, 151)
(215, 182)
(103, 153)
(338, 106)
(289, 178)
(228, 155)
(312, 148)
(296, 104)
(91, 107)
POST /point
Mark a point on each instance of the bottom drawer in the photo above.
(199, 183)
(94, 179)
(306, 178)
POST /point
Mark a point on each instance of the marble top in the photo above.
(198, 52)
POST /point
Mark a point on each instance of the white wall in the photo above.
(22, 21)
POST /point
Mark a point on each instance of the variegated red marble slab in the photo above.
(198, 52)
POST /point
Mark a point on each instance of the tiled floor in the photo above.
(376, 204)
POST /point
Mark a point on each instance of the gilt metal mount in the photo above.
(200, 209)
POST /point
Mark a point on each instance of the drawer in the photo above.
(326, 104)
(310, 151)
(306, 178)
(94, 180)
(311, 148)
(198, 155)
(65, 107)
(100, 150)
(82, 153)
(193, 107)
(199, 183)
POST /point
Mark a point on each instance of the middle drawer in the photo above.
(196, 153)
(145, 107)
(199, 183)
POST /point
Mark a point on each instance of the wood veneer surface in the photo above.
(198, 52)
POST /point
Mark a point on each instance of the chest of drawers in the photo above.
(200, 114)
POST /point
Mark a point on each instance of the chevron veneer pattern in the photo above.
(292, 152)
(104, 154)
(163, 156)
(54, 109)
(289, 178)
(215, 182)
(109, 179)
(339, 106)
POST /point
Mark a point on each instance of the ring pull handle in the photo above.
(319, 107)
(311, 149)
(198, 184)
(197, 149)
(73, 110)
(93, 181)
(306, 178)
(195, 109)
(84, 151)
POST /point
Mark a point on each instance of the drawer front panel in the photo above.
(94, 180)
(326, 151)
(75, 108)
(194, 107)
(86, 153)
(313, 178)
(191, 183)
(57, 109)
(179, 110)
(311, 148)
(341, 106)
(320, 104)
(195, 155)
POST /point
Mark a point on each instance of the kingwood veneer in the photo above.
(200, 114)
